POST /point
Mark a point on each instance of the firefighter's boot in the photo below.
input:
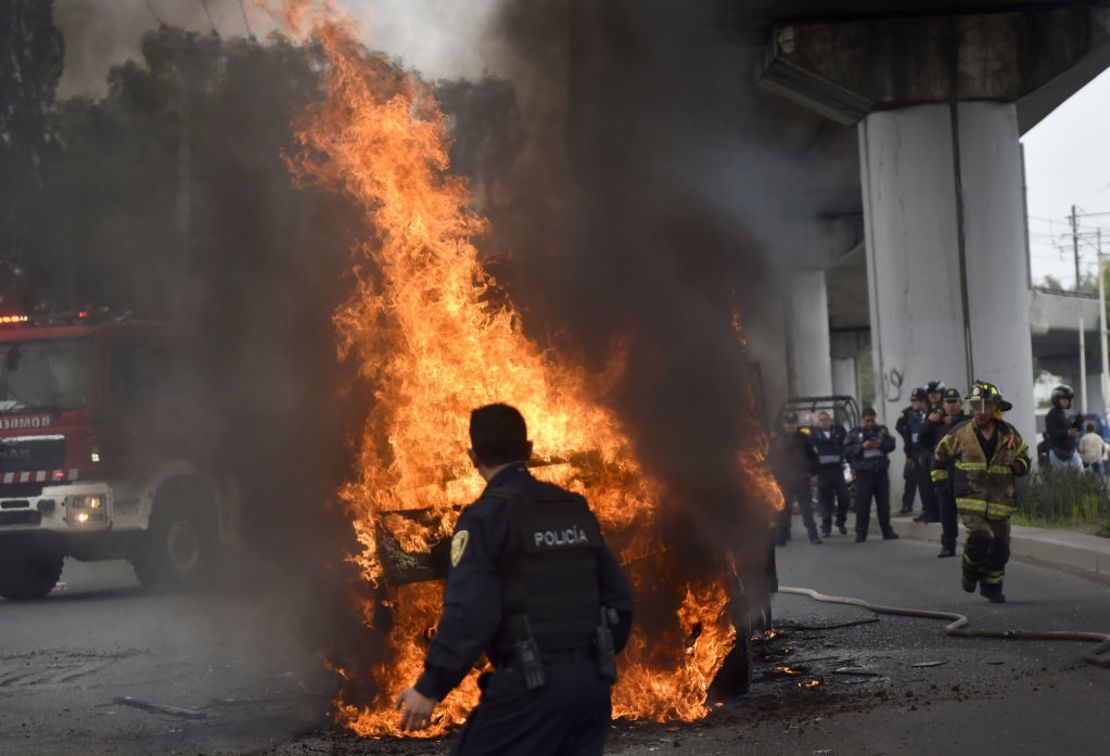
(993, 593)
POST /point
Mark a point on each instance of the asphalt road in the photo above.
(231, 657)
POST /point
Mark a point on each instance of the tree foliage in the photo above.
(30, 67)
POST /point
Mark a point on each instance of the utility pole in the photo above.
(1075, 241)
(1102, 324)
(1082, 368)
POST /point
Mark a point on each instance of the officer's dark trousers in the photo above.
(569, 715)
(800, 492)
(949, 518)
(929, 508)
(872, 485)
(909, 475)
(832, 489)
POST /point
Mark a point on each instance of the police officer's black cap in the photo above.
(790, 416)
(498, 435)
(952, 393)
(918, 395)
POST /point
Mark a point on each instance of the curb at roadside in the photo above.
(1076, 552)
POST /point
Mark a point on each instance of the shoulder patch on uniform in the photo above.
(458, 546)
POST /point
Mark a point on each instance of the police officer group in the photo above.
(962, 465)
(801, 455)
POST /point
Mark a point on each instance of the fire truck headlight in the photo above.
(87, 508)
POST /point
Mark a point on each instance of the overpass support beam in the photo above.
(940, 101)
(945, 228)
(809, 349)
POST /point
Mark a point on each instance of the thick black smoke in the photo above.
(630, 224)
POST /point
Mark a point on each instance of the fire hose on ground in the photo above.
(958, 624)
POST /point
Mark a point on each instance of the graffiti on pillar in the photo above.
(892, 385)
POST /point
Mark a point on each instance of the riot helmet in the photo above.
(1062, 392)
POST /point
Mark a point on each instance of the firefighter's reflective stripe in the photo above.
(978, 506)
(993, 577)
(828, 459)
(989, 509)
(971, 466)
(939, 475)
(1000, 470)
(1021, 447)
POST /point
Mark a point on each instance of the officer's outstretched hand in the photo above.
(416, 710)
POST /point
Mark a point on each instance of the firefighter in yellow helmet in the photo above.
(984, 457)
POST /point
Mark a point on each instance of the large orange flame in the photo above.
(428, 338)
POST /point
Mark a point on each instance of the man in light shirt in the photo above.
(1092, 449)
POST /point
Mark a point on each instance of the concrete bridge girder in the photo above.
(848, 69)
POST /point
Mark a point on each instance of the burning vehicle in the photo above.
(434, 335)
(94, 460)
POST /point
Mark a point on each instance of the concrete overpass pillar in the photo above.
(940, 100)
(944, 224)
(807, 318)
(844, 377)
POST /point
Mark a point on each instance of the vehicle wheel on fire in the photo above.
(29, 575)
(180, 547)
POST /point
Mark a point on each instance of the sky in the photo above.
(1067, 161)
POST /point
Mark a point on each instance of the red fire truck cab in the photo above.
(98, 459)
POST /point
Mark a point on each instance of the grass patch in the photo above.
(1060, 498)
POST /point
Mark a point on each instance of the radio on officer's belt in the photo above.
(606, 651)
(528, 654)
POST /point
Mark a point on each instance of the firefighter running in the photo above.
(984, 455)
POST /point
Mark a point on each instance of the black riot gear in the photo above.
(935, 387)
(548, 571)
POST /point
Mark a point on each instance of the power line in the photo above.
(246, 21)
(204, 4)
(157, 18)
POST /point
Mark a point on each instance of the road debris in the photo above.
(856, 672)
(930, 663)
(157, 708)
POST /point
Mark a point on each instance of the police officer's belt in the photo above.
(569, 656)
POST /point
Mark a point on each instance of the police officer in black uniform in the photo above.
(867, 448)
(534, 586)
(932, 435)
(908, 426)
(1061, 430)
(794, 465)
(828, 441)
(926, 443)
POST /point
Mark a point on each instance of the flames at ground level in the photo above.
(426, 337)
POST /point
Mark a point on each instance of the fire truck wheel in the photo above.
(181, 542)
(24, 577)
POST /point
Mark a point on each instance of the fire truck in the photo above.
(99, 456)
